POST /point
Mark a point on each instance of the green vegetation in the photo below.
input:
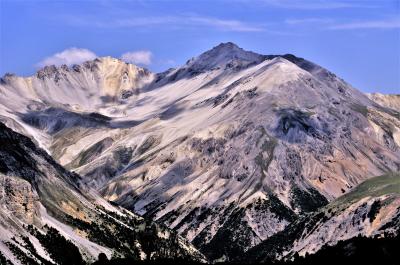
(29, 246)
(358, 250)
(4, 260)
(374, 187)
(61, 250)
(363, 110)
(109, 233)
(20, 255)
(274, 205)
(308, 200)
(122, 233)
(376, 205)
(129, 261)
(231, 239)
(281, 241)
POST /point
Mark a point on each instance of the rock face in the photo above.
(389, 101)
(43, 212)
(372, 209)
(87, 87)
(228, 149)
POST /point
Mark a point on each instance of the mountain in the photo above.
(46, 219)
(372, 209)
(228, 150)
(389, 101)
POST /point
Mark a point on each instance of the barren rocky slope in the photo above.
(372, 209)
(389, 101)
(45, 219)
(228, 149)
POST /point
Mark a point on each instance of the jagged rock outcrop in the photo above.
(389, 101)
(371, 210)
(45, 218)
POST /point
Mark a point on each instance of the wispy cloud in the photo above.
(316, 4)
(137, 57)
(229, 25)
(308, 21)
(171, 21)
(69, 57)
(371, 24)
(334, 24)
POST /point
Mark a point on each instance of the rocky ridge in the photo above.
(263, 139)
(46, 219)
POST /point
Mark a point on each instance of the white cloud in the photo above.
(69, 57)
(307, 21)
(331, 24)
(138, 22)
(225, 24)
(137, 57)
(173, 22)
(316, 4)
(372, 24)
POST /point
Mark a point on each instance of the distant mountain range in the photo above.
(234, 156)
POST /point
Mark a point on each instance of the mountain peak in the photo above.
(227, 46)
(101, 64)
(224, 55)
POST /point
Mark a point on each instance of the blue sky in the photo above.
(359, 40)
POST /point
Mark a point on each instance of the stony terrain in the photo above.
(372, 209)
(46, 219)
(390, 101)
(228, 150)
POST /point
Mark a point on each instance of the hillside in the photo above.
(228, 149)
(45, 218)
(372, 209)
